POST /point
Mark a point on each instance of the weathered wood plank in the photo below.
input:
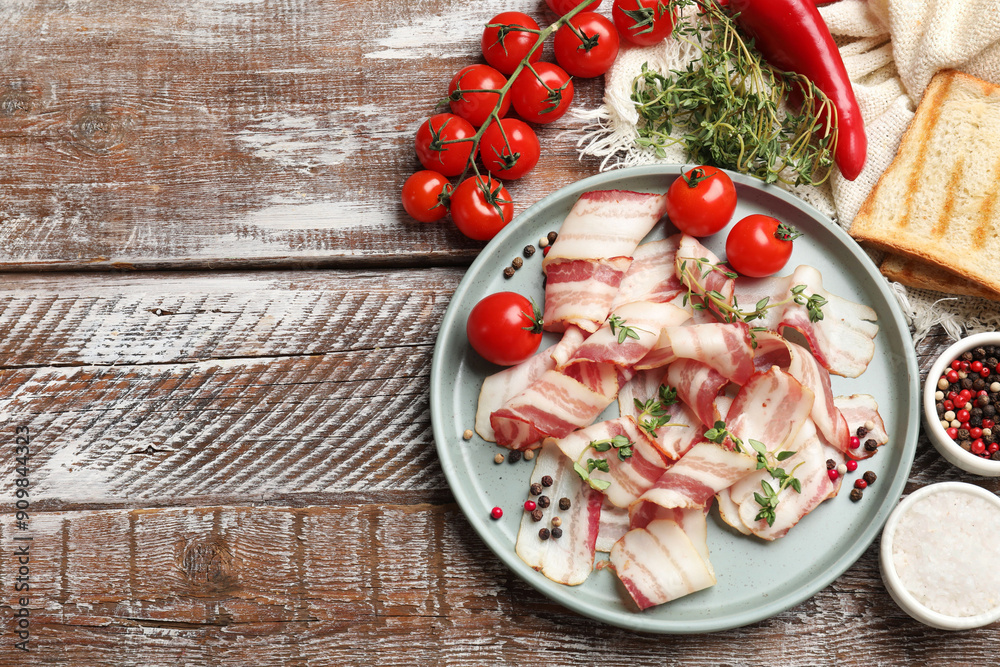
(154, 386)
(160, 318)
(222, 133)
(392, 585)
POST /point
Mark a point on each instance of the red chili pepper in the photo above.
(792, 36)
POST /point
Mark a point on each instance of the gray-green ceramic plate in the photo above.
(756, 579)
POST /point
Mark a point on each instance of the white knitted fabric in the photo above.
(891, 49)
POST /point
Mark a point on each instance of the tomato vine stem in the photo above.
(494, 115)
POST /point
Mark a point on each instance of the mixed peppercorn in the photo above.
(967, 401)
(528, 252)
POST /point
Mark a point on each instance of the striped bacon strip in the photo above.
(652, 277)
(606, 223)
(664, 559)
(569, 559)
(500, 387)
(579, 292)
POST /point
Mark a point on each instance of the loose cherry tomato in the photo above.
(475, 107)
(542, 95)
(643, 22)
(702, 201)
(560, 7)
(759, 245)
(433, 147)
(425, 196)
(587, 45)
(504, 45)
(504, 328)
(512, 157)
(480, 207)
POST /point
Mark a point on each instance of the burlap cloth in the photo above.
(891, 49)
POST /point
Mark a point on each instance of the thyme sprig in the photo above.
(618, 326)
(653, 411)
(694, 271)
(768, 500)
(622, 446)
(727, 105)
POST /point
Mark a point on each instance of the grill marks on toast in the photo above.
(984, 221)
(925, 132)
(954, 182)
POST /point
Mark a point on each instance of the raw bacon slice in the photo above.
(606, 223)
(652, 276)
(665, 559)
(628, 477)
(645, 321)
(726, 347)
(500, 387)
(843, 342)
(858, 410)
(698, 385)
(570, 559)
(771, 408)
(580, 291)
(614, 525)
(554, 405)
(693, 481)
(773, 350)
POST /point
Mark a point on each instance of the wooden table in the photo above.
(216, 324)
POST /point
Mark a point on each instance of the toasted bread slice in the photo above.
(937, 202)
(915, 273)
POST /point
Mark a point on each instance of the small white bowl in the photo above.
(894, 584)
(947, 447)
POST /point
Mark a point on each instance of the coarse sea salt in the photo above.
(943, 550)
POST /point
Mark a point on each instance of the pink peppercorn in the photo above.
(952, 376)
(529, 505)
(496, 513)
(975, 432)
(832, 472)
(855, 442)
(860, 484)
(956, 365)
(993, 448)
(952, 432)
(978, 447)
(852, 465)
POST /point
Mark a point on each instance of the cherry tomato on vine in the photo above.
(560, 7)
(643, 22)
(514, 156)
(504, 46)
(542, 98)
(425, 196)
(433, 151)
(589, 47)
(759, 245)
(480, 207)
(475, 107)
(702, 201)
(504, 328)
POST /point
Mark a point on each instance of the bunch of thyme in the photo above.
(727, 105)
